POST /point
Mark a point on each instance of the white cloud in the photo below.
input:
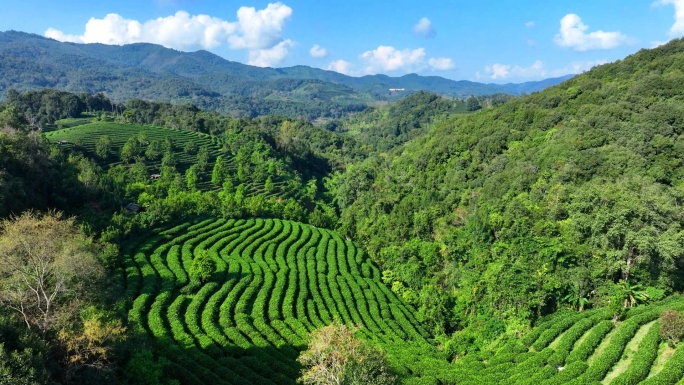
(530, 24)
(573, 34)
(180, 31)
(260, 29)
(655, 44)
(260, 32)
(341, 66)
(677, 28)
(441, 63)
(270, 57)
(424, 28)
(318, 52)
(387, 58)
(498, 71)
(536, 71)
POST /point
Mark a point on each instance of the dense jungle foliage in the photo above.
(540, 203)
(388, 126)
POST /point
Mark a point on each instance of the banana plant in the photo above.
(633, 295)
(578, 298)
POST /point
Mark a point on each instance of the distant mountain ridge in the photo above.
(152, 72)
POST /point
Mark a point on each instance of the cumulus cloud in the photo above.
(536, 71)
(677, 28)
(271, 56)
(389, 59)
(260, 29)
(573, 34)
(180, 31)
(318, 52)
(341, 66)
(530, 24)
(424, 28)
(260, 32)
(498, 71)
(441, 63)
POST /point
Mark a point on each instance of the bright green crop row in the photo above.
(274, 282)
(672, 372)
(612, 353)
(324, 303)
(593, 340)
(643, 359)
(276, 301)
(571, 336)
(193, 322)
(546, 337)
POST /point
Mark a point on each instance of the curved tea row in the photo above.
(583, 348)
(274, 282)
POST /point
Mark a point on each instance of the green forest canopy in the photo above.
(507, 211)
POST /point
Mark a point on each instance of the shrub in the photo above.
(202, 267)
(336, 355)
(672, 326)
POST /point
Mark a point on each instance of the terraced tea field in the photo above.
(85, 137)
(584, 348)
(275, 281)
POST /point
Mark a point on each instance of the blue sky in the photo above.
(494, 41)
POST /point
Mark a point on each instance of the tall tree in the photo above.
(202, 267)
(103, 146)
(203, 158)
(472, 104)
(47, 268)
(191, 177)
(130, 149)
(219, 173)
(337, 356)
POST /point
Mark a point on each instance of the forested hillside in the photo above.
(551, 200)
(152, 72)
(386, 127)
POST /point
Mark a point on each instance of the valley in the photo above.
(172, 216)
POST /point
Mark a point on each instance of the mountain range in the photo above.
(153, 72)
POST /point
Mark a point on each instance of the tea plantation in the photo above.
(274, 282)
(584, 348)
(84, 136)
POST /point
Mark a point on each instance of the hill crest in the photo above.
(152, 72)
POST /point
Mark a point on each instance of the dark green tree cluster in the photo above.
(389, 126)
(43, 107)
(33, 176)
